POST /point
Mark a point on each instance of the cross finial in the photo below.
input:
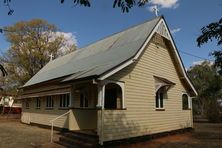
(51, 57)
(156, 10)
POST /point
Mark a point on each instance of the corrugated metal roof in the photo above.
(96, 58)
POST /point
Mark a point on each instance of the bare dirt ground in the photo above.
(205, 135)
(15, 134)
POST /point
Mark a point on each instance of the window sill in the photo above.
(63, 108)
(116, 109)
(49, 108)
(83, 108)
(160, 109)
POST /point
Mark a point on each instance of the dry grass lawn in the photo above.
(14, 134)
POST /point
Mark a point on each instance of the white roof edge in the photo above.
(127, 63)
(179, 59)
(130, 61)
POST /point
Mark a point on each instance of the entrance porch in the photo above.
(77, 106)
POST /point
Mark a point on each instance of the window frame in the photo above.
(38, 103)
(101, 89)
(161, 105)
(49, 102)
(83, 102)
(27, 104)
(188, 102)
(64, 101)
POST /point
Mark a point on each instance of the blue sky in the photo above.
(100, 20)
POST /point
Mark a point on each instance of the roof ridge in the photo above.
(130, 41)
(103, 38)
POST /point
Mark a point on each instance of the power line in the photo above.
(192, 55)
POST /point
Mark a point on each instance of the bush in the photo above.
(213, 112)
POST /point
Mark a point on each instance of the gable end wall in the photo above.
(140, 117)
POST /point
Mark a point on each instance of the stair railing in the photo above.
(52, 123)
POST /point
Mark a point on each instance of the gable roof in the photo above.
(97, 58)
(107, 56)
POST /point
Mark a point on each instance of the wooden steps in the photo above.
(81, 138)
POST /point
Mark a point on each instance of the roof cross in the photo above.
(51, 57)
(156, 10)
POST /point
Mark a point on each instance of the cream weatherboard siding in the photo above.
(79, 118)
(140, 117)
(43, 115)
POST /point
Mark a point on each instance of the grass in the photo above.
(15, 134)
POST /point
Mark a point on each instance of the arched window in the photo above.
(113, 96)
(185, 101)
(160, 96)
(162, 85)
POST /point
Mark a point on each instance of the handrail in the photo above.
(52, 121)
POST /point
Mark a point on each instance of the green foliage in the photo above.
(125, 5)
(31, 43)
(208, 33)
(213, 112)
(208, 85)
(85, 3)
(7, 3)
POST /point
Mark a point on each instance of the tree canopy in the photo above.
(208, 84)
(124, 5)
(209, 33)
(31, 43)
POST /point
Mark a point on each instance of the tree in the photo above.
(208, 33)
(7, 3)
(208, 85)
(125, 5)
(31, 43)
(4, 72)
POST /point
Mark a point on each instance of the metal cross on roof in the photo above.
(51, 57)
(156, 10)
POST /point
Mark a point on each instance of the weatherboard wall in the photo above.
(79, 118)
(44, 115)
(141, 117)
